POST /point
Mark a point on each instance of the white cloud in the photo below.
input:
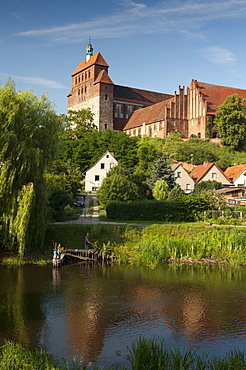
(138, 18)
(36, 81)
(218, 55)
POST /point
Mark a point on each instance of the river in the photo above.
(96, 312)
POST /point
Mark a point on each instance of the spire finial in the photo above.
(89, 50)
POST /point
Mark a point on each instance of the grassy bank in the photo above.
(152, 246)
(144, 354)
(158, 244)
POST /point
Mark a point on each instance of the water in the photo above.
(96, 312)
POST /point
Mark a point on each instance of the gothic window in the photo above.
(118, 113)
(129, 111)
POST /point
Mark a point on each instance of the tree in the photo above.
(116, 188)
(207, 185)
(28, 141)
(160, 190)
(230, 121)
(161, 171)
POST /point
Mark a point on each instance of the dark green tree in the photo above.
(207, 185)
(29, 130)
(230, 121)
(161, 171)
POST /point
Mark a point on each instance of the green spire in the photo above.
(89, 50)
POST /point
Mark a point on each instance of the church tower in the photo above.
(92, 88)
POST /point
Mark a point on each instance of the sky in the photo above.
(150, 44)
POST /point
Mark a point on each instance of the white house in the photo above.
(182, 178)
(95, 175)
(237, 174)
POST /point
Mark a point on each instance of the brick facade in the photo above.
(191, 111)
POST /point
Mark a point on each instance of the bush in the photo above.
(185, 208)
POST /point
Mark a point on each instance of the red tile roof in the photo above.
(104, 78)
(235, 171)
(154, 113)
(94, 59)
(201, 170)
(215, 95)
(139, 96)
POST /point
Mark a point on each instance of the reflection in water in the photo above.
(96, 311)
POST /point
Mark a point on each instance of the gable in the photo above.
(94, 59)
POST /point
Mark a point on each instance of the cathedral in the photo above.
(190, 111)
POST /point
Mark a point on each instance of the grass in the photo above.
(144, 354)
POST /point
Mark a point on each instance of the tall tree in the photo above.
(230, 121)
(28, 139)
(161, 171)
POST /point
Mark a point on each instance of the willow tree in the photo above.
(29, 130)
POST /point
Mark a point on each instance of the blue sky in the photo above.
(149, 44)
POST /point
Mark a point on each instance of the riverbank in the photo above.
(154, 245)
(143, 354)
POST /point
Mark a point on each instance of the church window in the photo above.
(129, 111)
(118, 113)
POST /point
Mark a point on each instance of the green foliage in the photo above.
(160, 190)
(230, 121)
(161, 171)
(116, 187)
(29, 130)
(207, 185)
(187, 208)
(175, 193)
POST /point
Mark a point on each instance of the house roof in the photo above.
(154, 113)
(201, 170)
(107, 152)
(215, 95)
(232, 189)
(104, 78)
(94, 59)
(232, 173)
(131, 94)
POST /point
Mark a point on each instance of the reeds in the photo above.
(147, 354)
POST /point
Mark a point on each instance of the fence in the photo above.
(227, 214)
